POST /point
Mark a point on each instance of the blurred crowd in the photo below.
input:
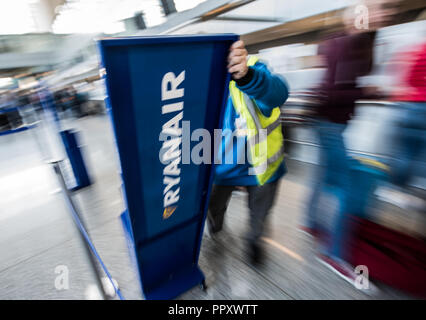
(70, 101)
(19, 108)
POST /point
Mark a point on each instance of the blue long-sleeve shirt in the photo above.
(269, 91)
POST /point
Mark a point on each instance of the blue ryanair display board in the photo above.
(155, 86)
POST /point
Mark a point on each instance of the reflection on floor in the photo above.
(38, 239)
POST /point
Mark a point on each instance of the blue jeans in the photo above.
(333, 174)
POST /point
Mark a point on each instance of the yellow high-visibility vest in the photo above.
(265, 139)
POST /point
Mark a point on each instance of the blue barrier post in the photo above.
(70, 141)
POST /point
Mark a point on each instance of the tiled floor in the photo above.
(37, 234)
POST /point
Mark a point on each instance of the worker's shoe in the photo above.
(210, 232)
(256, 255)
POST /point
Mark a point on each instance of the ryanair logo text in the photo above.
(171, 134)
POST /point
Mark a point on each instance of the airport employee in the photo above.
(251, 153)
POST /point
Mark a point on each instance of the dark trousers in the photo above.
(260, 202)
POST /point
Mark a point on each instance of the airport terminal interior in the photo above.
(62, 235)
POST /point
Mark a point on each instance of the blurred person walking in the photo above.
(347, 55)
(254, 104)
(409, 141)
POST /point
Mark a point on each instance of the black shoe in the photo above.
(212, 235)
(212, 232)
(255, 254)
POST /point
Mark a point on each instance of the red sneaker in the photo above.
(347, 272)
(341, 268)
(311, 232)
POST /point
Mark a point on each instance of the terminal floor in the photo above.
(38, 240)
